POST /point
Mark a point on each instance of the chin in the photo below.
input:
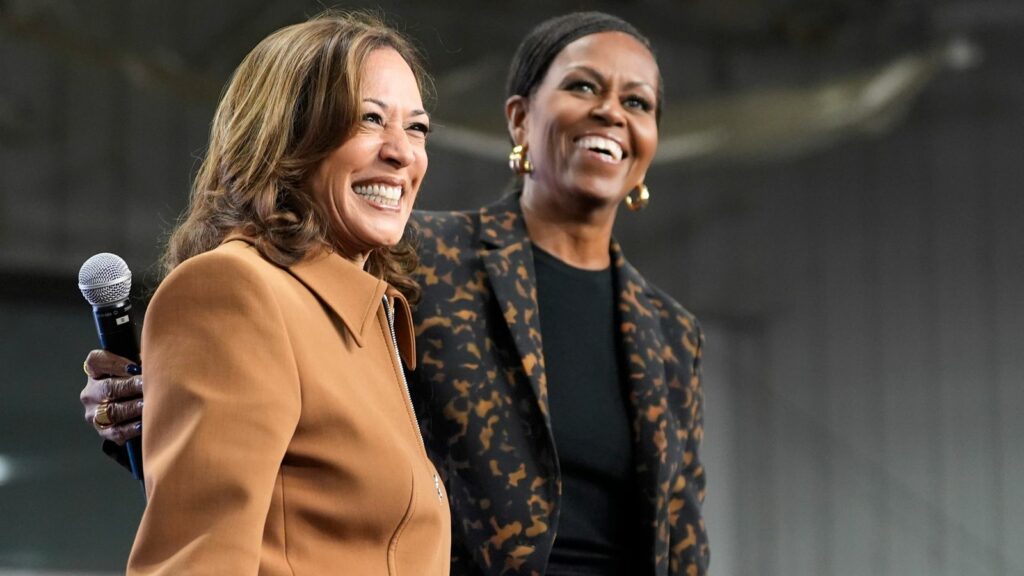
(389, 240)
(599, 196)
(595, 188)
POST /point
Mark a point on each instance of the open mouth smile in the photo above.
(380, 194)
(608, 149)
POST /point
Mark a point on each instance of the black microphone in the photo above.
(105, 282)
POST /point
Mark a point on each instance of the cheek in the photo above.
(420, 170)
(319, 187)
(544, 130)
(647, 143)
(550, 150)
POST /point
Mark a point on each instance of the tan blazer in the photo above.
(279, 435)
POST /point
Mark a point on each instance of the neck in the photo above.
(576, 234)
(356, 257)
(359, 260)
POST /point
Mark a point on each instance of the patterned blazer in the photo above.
(482, 401)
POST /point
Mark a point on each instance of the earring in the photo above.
(517, 160)
(643, 197)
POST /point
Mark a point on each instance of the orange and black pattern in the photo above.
(481, 397)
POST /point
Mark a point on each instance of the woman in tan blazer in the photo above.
(280, 438)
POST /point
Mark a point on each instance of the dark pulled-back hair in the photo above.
(546, 40)
(292, 100)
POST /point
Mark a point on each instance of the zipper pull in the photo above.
(437, 486)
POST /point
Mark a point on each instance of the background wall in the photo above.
(837, 198)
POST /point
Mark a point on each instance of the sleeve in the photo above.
(222, 403)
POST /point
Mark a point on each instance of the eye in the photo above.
(638, 103)
(374, 118)
(583, 86)
(420, 127)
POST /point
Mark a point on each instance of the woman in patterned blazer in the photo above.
(559, 392)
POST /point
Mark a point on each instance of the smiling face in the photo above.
(591, 123)
(367, 186)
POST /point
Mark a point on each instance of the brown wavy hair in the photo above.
(292, 100)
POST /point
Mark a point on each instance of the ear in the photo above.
(516, 108)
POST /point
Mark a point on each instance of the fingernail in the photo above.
(133, 369)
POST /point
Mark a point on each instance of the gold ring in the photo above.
(102, 417)
(85, 367)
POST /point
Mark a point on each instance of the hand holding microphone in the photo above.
(113, 381)
(112, 396)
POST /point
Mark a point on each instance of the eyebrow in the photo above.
(595, 73)
(415, 112)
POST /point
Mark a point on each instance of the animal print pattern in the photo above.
(481, 397)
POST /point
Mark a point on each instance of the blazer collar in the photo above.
(508, 258)
(643, 344)
(352, 294)
(502, 224)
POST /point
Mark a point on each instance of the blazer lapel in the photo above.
(508, 258)
(642, 343)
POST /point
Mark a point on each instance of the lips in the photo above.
(381, 194)
(601, 145)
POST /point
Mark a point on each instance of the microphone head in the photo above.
(105, 279)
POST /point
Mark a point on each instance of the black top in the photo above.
(599, 529)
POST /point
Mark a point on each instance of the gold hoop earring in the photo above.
(642, 199)
(517, 160)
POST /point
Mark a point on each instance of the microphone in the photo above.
(105, 282)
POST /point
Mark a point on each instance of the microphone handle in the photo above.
(116, 330)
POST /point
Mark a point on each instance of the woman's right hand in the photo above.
(114, 386)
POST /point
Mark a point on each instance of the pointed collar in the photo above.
(353, 294)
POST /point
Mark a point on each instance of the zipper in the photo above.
(390, 314)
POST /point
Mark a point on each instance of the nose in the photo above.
(610, 111)
(396, 149)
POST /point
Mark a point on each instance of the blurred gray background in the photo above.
(838, 197)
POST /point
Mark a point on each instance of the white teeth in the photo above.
(601, 144)
(380, 193)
